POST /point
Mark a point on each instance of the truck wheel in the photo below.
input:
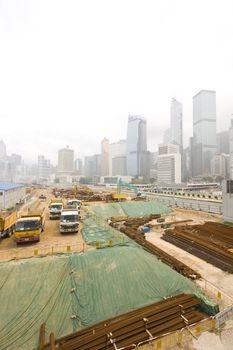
(8, 234)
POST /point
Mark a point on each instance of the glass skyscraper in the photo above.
(176, 123)
(136, 147)
(204, 131)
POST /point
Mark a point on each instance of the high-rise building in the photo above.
(44, 168)
(88, 166)
(186, 164)
(65, 160)
(2, 150)
(105, 157)
(138, 161)
(204, 131)
(231, 149)
(117, 154)
(176, 123)
(222, 142)
(92, 165)
(219, 164)
(168, 149)
(169, 164)
(119, 166)
(78, 165)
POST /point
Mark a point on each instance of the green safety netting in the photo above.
(97, 231)
(132, 209)
(70, 292)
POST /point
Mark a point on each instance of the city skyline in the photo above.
(71, 74)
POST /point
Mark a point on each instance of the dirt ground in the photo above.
(51, 239)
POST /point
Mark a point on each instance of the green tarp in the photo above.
(132, 209)
(102, 234)
(70, 292)
(106, 282)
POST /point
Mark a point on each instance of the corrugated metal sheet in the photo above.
(5, 186)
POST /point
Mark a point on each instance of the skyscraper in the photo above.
(176, 123)
(204, 131)
(44, 168)
(78, 165)
(65, 160)
(222, 142)
(117, 155)
(105, 157)
(136, 147)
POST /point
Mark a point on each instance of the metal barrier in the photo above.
(179, 339)
(30, 252)
(219, 295)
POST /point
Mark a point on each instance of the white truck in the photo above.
(55, 208)
(69, 221)
(74, 203)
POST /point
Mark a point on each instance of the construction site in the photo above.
(136, 275)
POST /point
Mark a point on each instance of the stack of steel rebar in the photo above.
(144, 324)
(132, 232)
(212, 242)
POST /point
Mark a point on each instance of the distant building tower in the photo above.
(204, 131)
(44, 168)
(117, 158)
(222, 142)
(105, 157)
(2, 150)
(138, 158)
(219, 164)
(169, 164)
(176, 123)
(92, 165)
(65, 160)
(89, 166)
(231, 149)
(78, 164)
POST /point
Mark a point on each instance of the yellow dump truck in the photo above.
(7, 223)
(29, 227)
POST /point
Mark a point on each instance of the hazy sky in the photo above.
(72, 71)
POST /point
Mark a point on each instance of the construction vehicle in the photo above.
(116, 197)
(29, 226)
(55, 208)
(138, 195)
(75, 203)
(69, 221)
(7, 223)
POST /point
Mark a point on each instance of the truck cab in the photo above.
(29, 227)
(55, 209)
(69, 221)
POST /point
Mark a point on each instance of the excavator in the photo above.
(119, 196)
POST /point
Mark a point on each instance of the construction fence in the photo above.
(179, 339)
(46, 250)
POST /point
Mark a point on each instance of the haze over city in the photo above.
(72, 72)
